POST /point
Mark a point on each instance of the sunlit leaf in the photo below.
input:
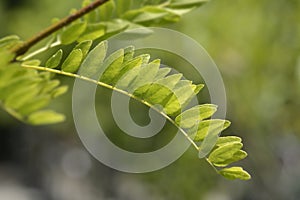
(93, 32)
(191, 117)
(227, 140)
(235, 173)
(18, 98)
(186, 3)
(84, 46)
(55, 60)
(106, 10)
(162, 72)
(9, 41)
(32, 62)
(122, 6)
(94, 60)
(73, 61)
(146, 75)
(45, 117)
(127, 67)
(35, 104)
(72, 32)
(208, 127)
(226, 154)
(59, 91)
(112, 66)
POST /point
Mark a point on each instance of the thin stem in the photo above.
(115, 89)
(212, 165)
(24, 47)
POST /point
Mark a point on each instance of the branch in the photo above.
(22, 49)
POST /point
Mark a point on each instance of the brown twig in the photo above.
(22, 49)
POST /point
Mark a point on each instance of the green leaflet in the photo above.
(158, 91)
(162, 72)
(72, 32)
(227, 140)
(161, 12)
(10, 76)
(106, 11)
(34, 105)
(198, 88)
(103, 30)
(55, 60)
(171, 105)
(235, 173)
(177, 12)
(45, 117)
(32, 62)
(130, 73)
(9, 41)
(226, 154)
(49, 86)
(73, 61)
(122, 6)
(135, 31)
(114, 26)
(92, 16)
(59, 91)
(145, 14)
(145, 76)
(156, 94)
(194, 115)
(125, 81)
(94, 60)
(239, 155)
(20, 97)
(84, 46)
(127, 67)
(145, 59)
(170, 81)
(112, 66)
(128, 54)
(186, 3)
(182, 94)
(16, 85)
(208, 127)
(92, 32)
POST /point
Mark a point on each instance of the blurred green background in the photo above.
(255, 44)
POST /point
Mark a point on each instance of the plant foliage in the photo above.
(27, 85)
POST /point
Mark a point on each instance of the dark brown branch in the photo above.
(22, 49)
